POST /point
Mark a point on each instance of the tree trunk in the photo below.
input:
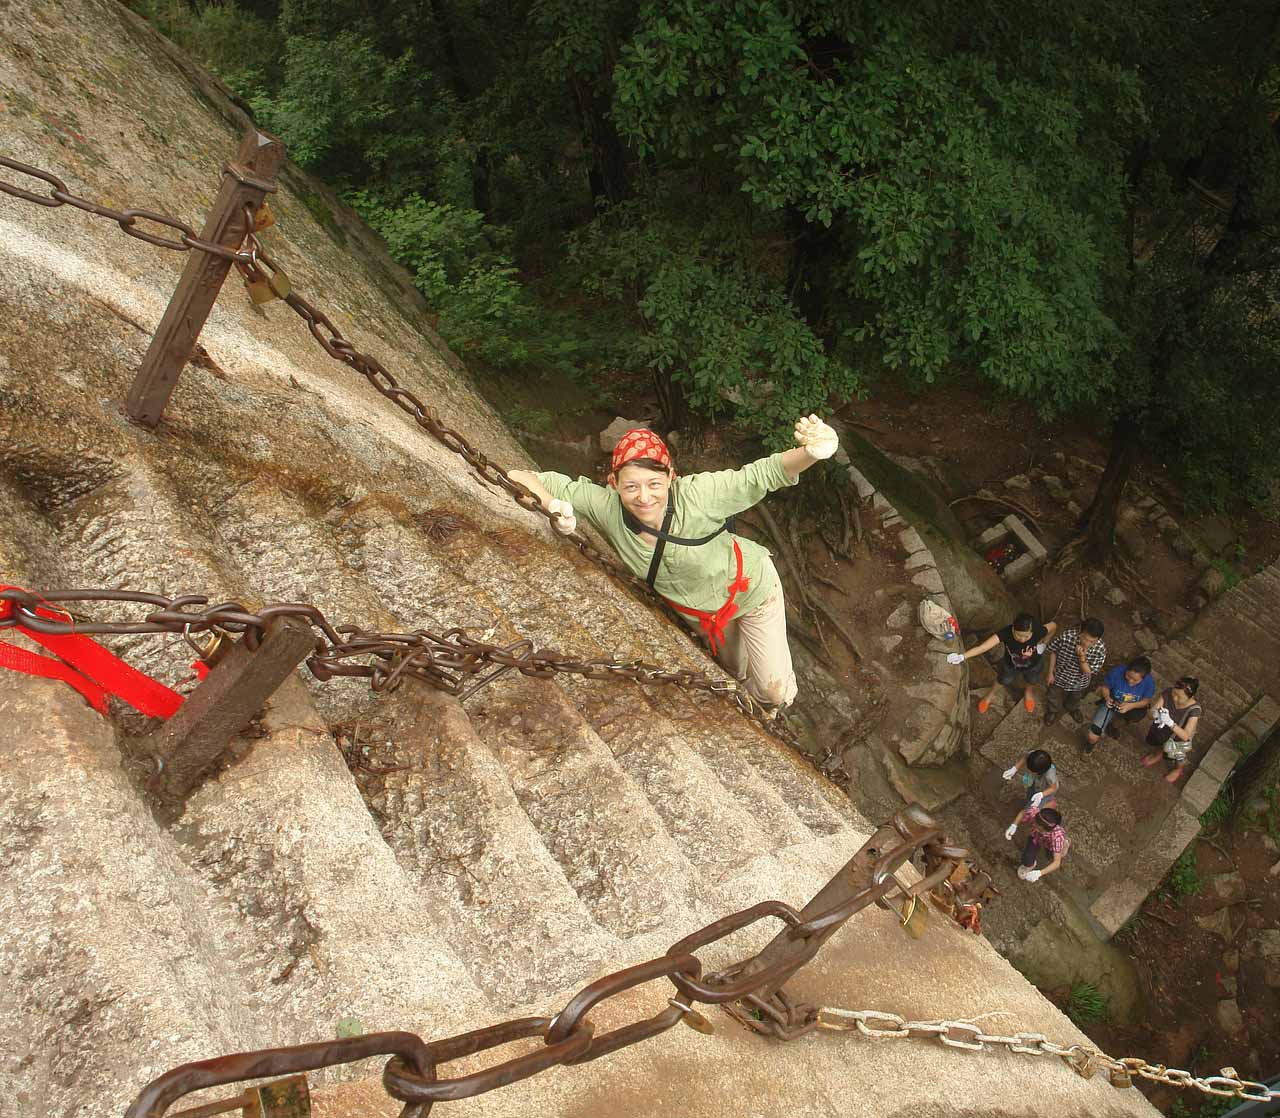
(1099, 519)
(672, 400)
(803, 267)
(607, 163)
(480, 196)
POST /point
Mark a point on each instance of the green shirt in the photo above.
(698, 577)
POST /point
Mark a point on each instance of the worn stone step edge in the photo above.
(1240, 686)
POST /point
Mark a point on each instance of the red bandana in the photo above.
(640, 442)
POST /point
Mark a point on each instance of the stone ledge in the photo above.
(1220, 760)
(940, 728)
(1200, 791)
(1113, 909)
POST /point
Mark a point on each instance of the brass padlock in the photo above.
(1120, 1077)
(259, 290)
(266, 287)
(692, 1018)
(1083, 1062)
(914, 917)
(285, 1098)
(263, 219)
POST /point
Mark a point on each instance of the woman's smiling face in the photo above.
(643, 492)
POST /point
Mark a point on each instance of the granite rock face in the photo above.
(543, 832)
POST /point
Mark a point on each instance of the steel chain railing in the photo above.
(569, 1037)
(1082, 1059)
(257, 266)
(450, 661)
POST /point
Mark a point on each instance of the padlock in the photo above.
(285, 1098)
(263, 219)
(1083, 1062)
(267, 286)
(692, 1018)
(914, 917)
(259, 290)
(1120, 1077)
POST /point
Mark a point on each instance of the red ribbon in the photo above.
(88, 667)
(713, 623)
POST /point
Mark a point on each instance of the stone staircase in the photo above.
(551, 831)
(1233, 648)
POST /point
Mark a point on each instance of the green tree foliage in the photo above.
(968, 215)
(464, 274)
(773, 205)
(722, 330)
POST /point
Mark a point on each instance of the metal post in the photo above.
(223, 705)
(245, 182)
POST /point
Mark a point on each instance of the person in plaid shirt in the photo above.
(1075, 657)
(1046, 834)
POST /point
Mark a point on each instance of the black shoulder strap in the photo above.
(666, 537)
(661, 541)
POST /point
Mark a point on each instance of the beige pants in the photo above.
(755, 649)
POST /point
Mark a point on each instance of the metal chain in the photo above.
(257, 266)
(569, 1037)
(1082, 1059)
(126, 219)
(451, 661)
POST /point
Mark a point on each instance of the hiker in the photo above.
(672, 532)
(1126, 693)
(1075, 657)
(1047, 834)
(1174, 717)
(1039, 778)
(1024, 645)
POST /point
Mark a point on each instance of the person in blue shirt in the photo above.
(1127, 691)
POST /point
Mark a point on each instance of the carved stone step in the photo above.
(502, 902)
(596, 822)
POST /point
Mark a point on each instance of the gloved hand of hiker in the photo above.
(1164, 718)
(1035, 799)
(1010, 831)
(955, 658)
(817, 437)
(1031, 875)
(1040, 648)
(562, 518)
(1010, 772)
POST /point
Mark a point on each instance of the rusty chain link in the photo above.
(451, 661)
(126, 219)
(257, 266)
(569, 1038)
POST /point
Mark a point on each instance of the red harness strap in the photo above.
(713, 623)
(86, 666)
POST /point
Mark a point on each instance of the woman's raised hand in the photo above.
(817, 437)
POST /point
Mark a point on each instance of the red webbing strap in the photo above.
(88, 667)
(713, 623)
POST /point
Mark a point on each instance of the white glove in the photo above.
(562, 518)
(1009, 774)
(1036, 798)
(1031, 875)
(1040, 649)
(1010, 831)
(1164, 718)
(817, 437)
(955, 658)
